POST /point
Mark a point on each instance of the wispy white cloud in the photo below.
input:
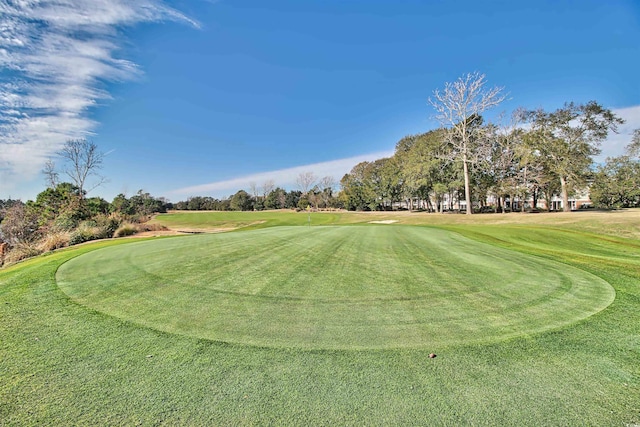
(56, 56)
(616, 142)
(613, 146)
(283, 178)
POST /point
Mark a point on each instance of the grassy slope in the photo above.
(334, 287)
(61, 363)
(618, 223)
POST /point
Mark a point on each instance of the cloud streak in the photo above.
(56, 56)
(616, 142)
(613, 146)
(282, 178)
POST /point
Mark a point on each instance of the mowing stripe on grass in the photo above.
(334, 287)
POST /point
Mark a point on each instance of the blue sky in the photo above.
(203, 97)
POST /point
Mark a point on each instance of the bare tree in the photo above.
(253, 187)
(457, 106)
(327, 182)
(83, 159)
(326, 189)
(267, 187)
(282, 198)
(50, 174)
(305, 181)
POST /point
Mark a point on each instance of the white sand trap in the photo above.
(384, 221)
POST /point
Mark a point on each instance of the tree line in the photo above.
(312, 192)
(533, 155)
(278, 198)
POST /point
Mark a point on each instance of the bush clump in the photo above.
(79, 236)
(88, 230)
(109, 223)
(152, 227)
(126, 229)
(130, 228)
(65, 222)
(22, 251)
(55, 240)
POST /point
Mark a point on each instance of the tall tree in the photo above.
(122, 205)
(82, 160)
(144, 204)
(455, 106)
(568, 138)
(305, 181)
(357, 192)
(617, 184)
(53, 202)
(291, 199)
(275, 199)
(512, 165)
(253, 187)
(241, 201)
(633, 149)
(390, 181)
(326, 189)
(267, 187)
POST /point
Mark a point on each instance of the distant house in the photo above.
(579, 200)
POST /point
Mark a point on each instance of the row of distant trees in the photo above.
(421, 174)
(534, 154)
(277, 198)
(314, 192)
(513, 163)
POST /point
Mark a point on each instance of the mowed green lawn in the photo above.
(340, 287)
(84, 360)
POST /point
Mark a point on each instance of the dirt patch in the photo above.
(205, 230)
(153, 234)
(178, 232)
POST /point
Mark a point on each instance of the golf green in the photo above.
(341, 287)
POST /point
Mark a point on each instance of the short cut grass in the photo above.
(334, 288)
(62, 363)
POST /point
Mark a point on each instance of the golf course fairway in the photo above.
(334, 287)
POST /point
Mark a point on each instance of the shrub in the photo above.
(126, 229)
(86, 231)
(109, 223)
(104, 226)
(19, 225)
(303, 203)
(79, 236)
(66, 221)
(151, 227)
(55, 240)
(130, 228)
(22, 251)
